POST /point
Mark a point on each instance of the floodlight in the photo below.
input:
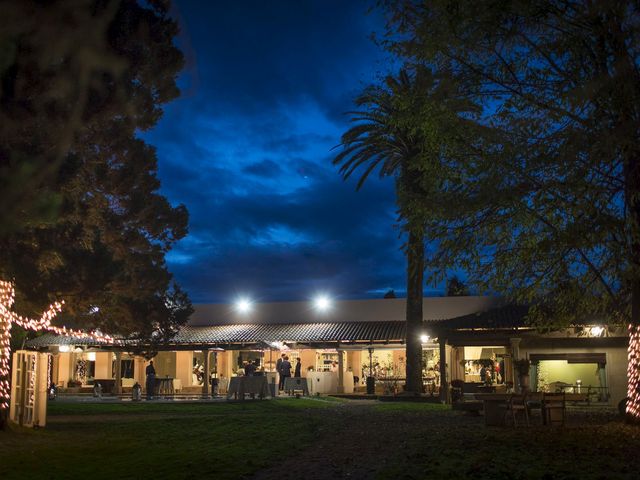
(322, 303)
(424, 338)
(243, 305)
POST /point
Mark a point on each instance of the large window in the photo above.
(571, 373)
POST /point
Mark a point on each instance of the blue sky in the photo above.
(247, 148)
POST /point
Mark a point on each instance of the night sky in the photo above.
(247, 148)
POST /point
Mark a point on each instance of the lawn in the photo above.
(213, 440)
(312, 439)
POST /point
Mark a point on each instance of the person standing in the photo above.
(151, 380)
(285, 368)
(298, 368)
(279, 370)
(249, 369)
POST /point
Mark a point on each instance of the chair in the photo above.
(177, 385)
(457, 389)
(518, 405)
(534, 402)
(553, 409)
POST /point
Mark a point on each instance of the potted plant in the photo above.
(73, 386)
(521, 367)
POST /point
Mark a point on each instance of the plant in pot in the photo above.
(521, 367)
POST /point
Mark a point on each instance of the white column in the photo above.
(444, 383)
(207, 374)
(117, 388)
(340, 371)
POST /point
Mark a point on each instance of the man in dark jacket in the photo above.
(151, 380)
(279, 370)
(297, 372)
(285, 370)
(249, 369)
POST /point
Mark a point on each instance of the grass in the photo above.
(391, 440)
(586, 449)
(214, 440)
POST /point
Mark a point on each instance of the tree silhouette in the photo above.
(405, 130)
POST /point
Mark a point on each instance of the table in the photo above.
(240, 386)
(495, 407)
(296, 383)
(164, 386)
(107, 384)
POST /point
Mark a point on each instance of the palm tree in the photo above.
(384, 138)
(405, 129)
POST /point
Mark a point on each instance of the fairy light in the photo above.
(49, 372)
(633, 373)
(32, 380)
(8, 318)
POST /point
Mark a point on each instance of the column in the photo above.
(103, 365)
(117, 388)
(533, 375)
(55, 364)
(602, 375)
(515, 355)
(444, 383)
(340, 371)
(207, 375)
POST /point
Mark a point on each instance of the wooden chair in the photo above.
(534, 402)
(553, 409)
(457, 391)
(517, 405)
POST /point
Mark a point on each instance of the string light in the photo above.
(633, 373)
(8, 318)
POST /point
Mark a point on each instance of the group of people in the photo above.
(250, 368)
(283, 367)
(492, 373)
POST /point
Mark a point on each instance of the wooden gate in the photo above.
(29, 378)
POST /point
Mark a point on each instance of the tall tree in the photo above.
(86, 221)
(552, 216)
(388, 137)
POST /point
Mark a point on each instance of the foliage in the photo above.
(521, 366)
(547, 211)
(456, 288)
(78, 82)
(405, 130)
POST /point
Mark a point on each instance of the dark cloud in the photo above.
(266, 168)
(248, 150)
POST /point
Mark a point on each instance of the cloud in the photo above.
(248, 150)
(266, 168)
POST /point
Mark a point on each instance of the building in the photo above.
(343, 344)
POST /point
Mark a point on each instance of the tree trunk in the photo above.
(415, 267)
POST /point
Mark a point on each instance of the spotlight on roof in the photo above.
(243, 305)
(322, 303)
(424, 338)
